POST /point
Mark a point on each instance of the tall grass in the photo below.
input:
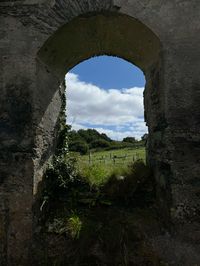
(96, 172)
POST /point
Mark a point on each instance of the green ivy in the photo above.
(61, 172)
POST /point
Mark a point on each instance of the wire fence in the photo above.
(112, 158)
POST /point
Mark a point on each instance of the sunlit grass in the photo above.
(97, 167)
(98, 174)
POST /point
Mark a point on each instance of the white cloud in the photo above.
(118, 113)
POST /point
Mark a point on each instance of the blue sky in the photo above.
(106, 93)
(109, 72)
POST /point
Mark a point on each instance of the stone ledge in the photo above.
(24, 2)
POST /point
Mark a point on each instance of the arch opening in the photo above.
(105, 112)
(87, 36)
(106, 33)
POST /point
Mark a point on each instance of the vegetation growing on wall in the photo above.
(61, 171)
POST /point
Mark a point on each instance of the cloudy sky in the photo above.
(106, 93)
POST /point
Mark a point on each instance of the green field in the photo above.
(97, 167)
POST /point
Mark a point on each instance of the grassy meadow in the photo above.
(97, 167)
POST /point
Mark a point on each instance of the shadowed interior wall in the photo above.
(40, 41)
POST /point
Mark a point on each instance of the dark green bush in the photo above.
(58, 176)
(79, 146)
(136, 182)
(99, 143)
(129, 139)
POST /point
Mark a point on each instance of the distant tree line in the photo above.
(85, 140)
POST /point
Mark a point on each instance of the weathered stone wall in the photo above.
(30, 104)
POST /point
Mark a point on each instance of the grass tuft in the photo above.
(74, 226)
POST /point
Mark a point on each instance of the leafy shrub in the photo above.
(58, 176)
(94, 174)
(99, 143)
(129, 139)
(90, 135)
(137, 180)
(79, 146)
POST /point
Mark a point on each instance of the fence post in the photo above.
(89, 157)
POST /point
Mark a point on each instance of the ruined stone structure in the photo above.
(40, 40)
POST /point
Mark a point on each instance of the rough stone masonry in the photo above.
(40, 40)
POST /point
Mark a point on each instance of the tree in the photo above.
(104, 136)
(79, 146)
(129, 139)
(99, 143)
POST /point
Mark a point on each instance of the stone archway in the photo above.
(106, 33)
(30, 100)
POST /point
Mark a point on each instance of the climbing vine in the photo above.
(61, 171)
